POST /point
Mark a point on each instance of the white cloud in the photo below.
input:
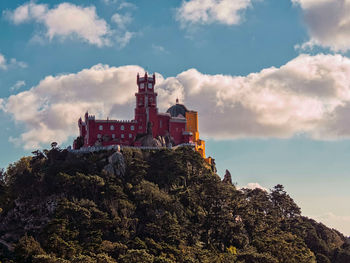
(124, 38)
(19, 84)
(121, 4)
(65, 20)
(2, 62)
(13, 63)
(308, 95)
(328, 23)
(110, 2)
(341, 223)
(253, 186)
(51, 109)
(122, 20)
(225, 12)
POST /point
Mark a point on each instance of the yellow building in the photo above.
(191, 126)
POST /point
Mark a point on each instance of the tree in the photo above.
(284, 204)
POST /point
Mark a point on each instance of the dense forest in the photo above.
(149, 206)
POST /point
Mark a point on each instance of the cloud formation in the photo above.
(67, 20)
(253, 186)
(328, 23)
(225, 12)
(13, 63)
(309, 95)
(19, 84)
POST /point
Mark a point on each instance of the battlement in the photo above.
(116, 121)
(146, 78)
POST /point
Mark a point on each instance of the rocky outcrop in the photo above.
(227, 178)
(116, 165)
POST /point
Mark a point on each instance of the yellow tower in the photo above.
(192, 126)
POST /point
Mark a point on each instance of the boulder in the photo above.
(116, 165)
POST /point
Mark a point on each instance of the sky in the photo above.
(270, 80)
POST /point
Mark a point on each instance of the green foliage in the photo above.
(168, 207)
(26, 248)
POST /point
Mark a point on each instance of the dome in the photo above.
(177, 109)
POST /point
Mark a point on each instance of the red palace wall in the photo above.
(111, 132)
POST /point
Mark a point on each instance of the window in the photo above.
(122, 136)
(150, 85)
(132, 127)
(99, 136)
(112, 127)
(122, 128)
(142, 86)
(100, 128)
(130, 135)
(140, 127)
(160, 124)
(113, 136)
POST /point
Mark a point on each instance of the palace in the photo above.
(148, 128)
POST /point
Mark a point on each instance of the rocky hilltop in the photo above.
(150, 206)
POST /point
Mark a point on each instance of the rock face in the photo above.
(227, 178)
(116, 165)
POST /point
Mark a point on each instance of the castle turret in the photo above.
(146, 102)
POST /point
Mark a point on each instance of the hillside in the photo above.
(151, 206)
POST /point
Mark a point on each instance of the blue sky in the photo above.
(270, 79)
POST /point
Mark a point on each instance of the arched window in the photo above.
(112, 127)
(113, 136)
(100, 127)
(122, 136)
(130, 135)
(122, 128)
(150, 85)
(132, 127)
(142, 86)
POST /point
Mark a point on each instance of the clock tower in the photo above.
(146, 103)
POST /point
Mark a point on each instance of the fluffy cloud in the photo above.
(253, 186)
(123, 36)
(4, 64)
(68, 20)
(309, 95)
(122, 20)
(226, 12)
(328, 23)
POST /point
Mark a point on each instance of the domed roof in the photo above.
(177, 109)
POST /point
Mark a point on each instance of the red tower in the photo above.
(146, 104)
